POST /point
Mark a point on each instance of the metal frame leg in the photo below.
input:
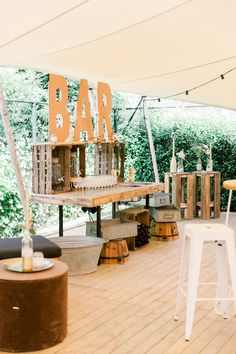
(147, 201)
(60, 220)
(99, 234)
(228, 207)
(222, 277)
(113, 210)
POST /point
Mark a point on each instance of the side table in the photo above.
(33, 308)
(206, 194)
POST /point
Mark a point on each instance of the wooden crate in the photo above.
(112, 229)
(206, 197)
(167, 213)
(108, 157)
(43, 155)
(182, 191)
(160, 199)
(140, 215)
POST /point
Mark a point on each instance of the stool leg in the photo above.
(183, 269)
(222, 277)
(195, 255)
(228, 207)
(232, 265)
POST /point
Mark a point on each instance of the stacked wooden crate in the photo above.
(206, 197)
(108, 157)
(43, 155)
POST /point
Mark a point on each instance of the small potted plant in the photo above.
(200, 151)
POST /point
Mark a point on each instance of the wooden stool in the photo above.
(114, 252)
(182, 191)
(206, 194)
(165, 231)
(231, 186)
(195, 235)
(164, 226)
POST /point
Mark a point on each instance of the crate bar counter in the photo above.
(54, 175)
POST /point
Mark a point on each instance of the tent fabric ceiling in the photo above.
(150, 47)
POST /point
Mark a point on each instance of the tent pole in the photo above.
(153, 154)
(12, 149)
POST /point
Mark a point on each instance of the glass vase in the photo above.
(180, 166)
(209, 166)
(199, 164)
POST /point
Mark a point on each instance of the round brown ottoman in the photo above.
(33, 308)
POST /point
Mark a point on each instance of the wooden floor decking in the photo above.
(129, 308)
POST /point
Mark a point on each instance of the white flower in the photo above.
(206, 149)
(181, 154)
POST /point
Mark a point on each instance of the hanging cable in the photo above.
(132, 115)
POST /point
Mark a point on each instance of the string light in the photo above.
(186, 92)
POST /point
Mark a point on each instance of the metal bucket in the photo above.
(80, 253)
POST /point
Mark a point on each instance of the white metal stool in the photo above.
(194, 237)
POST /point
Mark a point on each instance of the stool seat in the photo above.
(11, 247)
(230, 184)
(208, 231)
(194, 237)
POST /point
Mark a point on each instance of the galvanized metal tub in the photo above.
(80, 253)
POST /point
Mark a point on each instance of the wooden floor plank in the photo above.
(129, 308)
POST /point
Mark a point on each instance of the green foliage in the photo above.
(11, 212)
(188, 132)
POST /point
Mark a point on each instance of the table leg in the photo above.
(113, 210)
(99, 234)
(147, 201)
(228, 207)
(60, 220)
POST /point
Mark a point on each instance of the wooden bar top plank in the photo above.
(91, 198)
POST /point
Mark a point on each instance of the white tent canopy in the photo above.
(151, 47)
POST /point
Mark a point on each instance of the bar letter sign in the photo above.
(59, 117)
